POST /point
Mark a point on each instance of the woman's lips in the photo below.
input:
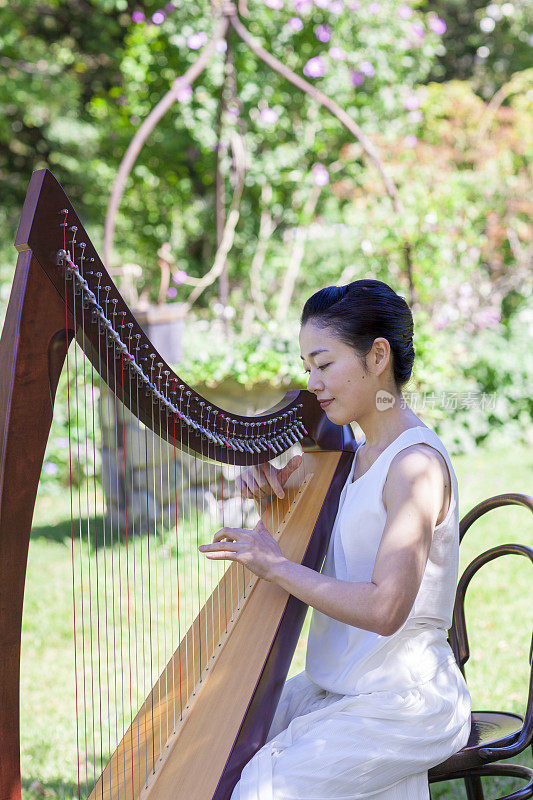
(325, 403)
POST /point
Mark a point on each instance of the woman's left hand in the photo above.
(256, 549)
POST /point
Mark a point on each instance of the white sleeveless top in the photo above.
(348, 660)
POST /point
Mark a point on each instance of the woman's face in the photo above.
(344, 389)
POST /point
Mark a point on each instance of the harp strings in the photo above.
(139, 583)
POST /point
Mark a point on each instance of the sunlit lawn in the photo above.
(499, 607)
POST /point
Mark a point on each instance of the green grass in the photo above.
(499, 609)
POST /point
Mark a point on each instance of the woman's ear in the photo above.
(379, 356)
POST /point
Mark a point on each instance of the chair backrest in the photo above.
(458, 636)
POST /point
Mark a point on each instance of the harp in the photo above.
(218, 678)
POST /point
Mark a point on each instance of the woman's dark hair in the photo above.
(363, 311)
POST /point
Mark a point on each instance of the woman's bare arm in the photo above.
(413, 497)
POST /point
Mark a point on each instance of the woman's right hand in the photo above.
(264, 480)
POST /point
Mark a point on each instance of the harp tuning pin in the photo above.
(63, 211)
(73, 228)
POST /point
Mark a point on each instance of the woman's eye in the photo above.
(322, 366)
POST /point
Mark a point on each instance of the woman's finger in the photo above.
(247, 486)
(290, 467)
(267, 477)
(273, 480)
(222, 555)
(217, 546)
(231, 534)
(260, 478)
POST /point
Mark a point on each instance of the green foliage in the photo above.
(475, 388)
(281, 149)
(73, 447)
(262, 355)
(79, 77)
(484, 43)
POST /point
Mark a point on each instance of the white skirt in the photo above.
(324, 746)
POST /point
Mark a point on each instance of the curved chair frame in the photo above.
(494, 735)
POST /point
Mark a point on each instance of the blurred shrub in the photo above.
(485, 42)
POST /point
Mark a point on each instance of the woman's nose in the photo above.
(314, 383)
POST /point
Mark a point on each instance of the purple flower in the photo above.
(172, 292)
(415, 116)
(488, 318)
(315, 68)
(320, 175)
(170, 7)
(410, 140)
(158, 17)
(222, 46)
(367, 69)
(49, 468)
(275, 4)
(437, 25)
(322, 3)
(336, 7)
(302, 6)
(337, 53)
(418, 30)
(405, 12)
(295, 24)
(138, 16)
(355, 5)
(180, 276)
(357, 78)
(374, 8)
(197, 40)
(184, 94)
(323, 33)
(269, 116)
(411, 103)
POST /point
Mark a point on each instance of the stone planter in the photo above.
(164, 327)
(235, 397)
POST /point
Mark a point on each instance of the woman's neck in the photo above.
(383, 426)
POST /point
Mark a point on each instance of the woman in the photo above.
(381, 699)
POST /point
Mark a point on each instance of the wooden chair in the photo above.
(495, 735)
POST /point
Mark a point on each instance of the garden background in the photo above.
(444, 90)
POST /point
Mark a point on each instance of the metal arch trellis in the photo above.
(228, 16)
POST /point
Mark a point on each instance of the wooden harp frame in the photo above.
(41, 321)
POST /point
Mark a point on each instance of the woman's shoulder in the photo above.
(421, 468)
